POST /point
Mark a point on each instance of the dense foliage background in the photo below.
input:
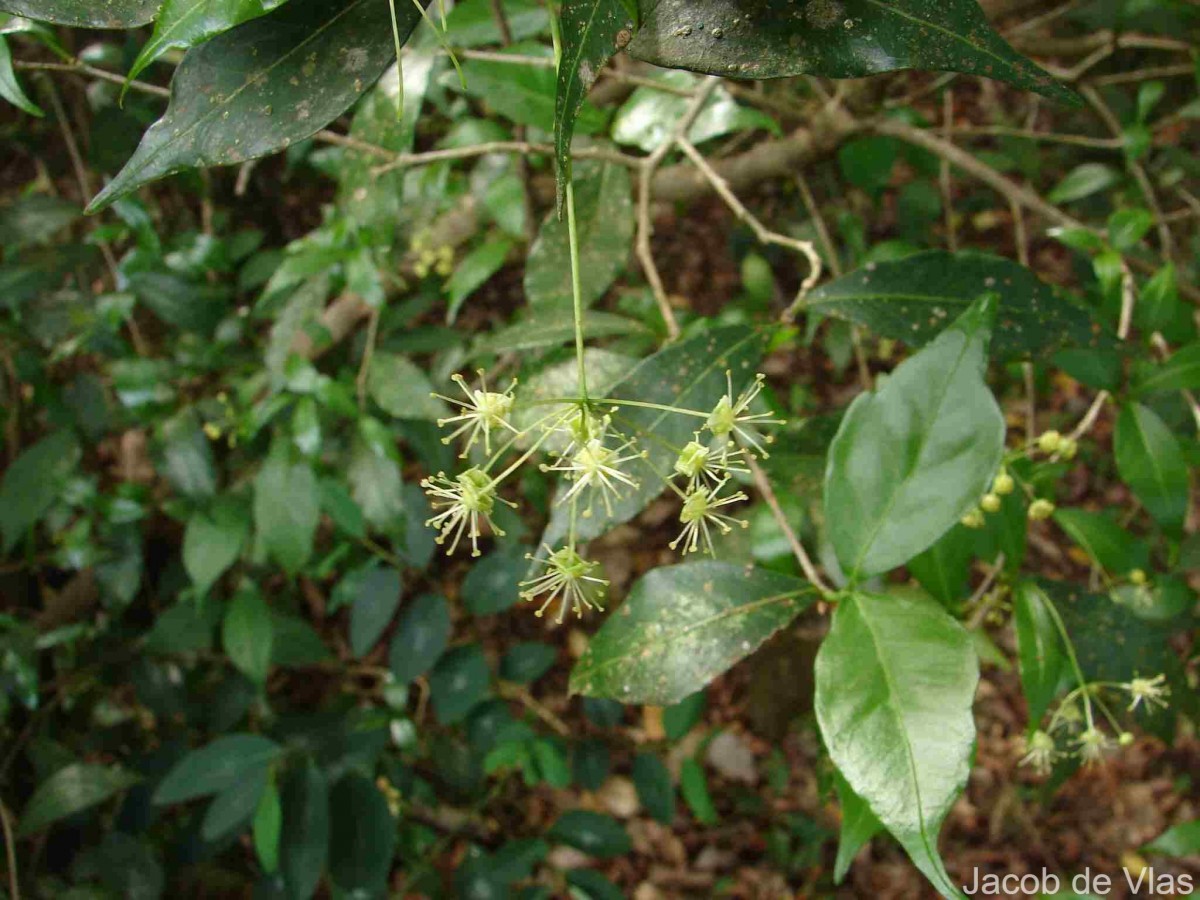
(233, 662)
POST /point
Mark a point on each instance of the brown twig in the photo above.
(768, 493)
(10, 849)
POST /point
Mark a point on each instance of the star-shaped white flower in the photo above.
(566, 577)
(481, 413)
(466, 503)
(731, 418)
(700, 511)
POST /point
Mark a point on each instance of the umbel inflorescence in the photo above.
(597, 462)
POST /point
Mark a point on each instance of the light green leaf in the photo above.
(833, 38)
(186, 457)
(72, 789)
(1083, 181)
(10, 88)
(915, 298)
(684, 625)
(286, 510)
(376, 486)
(181, 24)
(1181, 371)
(402, 389)
(895, 679)
(591, 32)
(85, 13)
(1181, 840)
(911, 457)
(1111, 547)
(378, 597)
(604, 222)
(1039, 649)
(248, 634)
(1151, 462)
(859, 825)
(693, 784)
(249, 92)
(33, 482)
(268, 821)
(690, 375)
(212, 542)
(522, 93)
(473, 271)
(213, 768)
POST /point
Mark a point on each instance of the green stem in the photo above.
(1061, 627)
(399, 63)
(576, 287)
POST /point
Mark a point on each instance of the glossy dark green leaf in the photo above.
(588, 884)
(214, 767)
(594, 834)
(915, 298)
(592, 31)
(286, 510)
(212, 542)
(234, 806)
(834, 38)
(10, 88)
(264, 85)
(181, 24)
(296, 643)
(693, 785)
(1150, 460)
(690, 374)
(1039, 649)
(72, 789)
(528, 661)
(1108, 544)
(362, 835)
(680, 718)
(604, 222)
(895, 680)
(268, 824)
(1096, 367)
(378, 598)
(304, 842)
(420, 637)
(682, 626)
(653, 782)
(590, 763)
(85, 13)
(911, 457)
(458, 681)
(33, 482)
(944, 568)
(551, 762)
(859, 825)
(1181, 371)
(248, 634)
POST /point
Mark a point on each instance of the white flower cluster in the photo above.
(597, 464)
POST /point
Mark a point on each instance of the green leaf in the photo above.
(85, 13)
(591, 32)
(593, 833)
(1105, 541)
(690, 375)
(34, 482)
(1181, 840)
(179, 302)
(493, 584)
(304, 843)
(458, 681)
(1096, 367)
(1039, 649)
(915, 298)
(187, 459)
(528, 661)
(251, 91)
(212, 542)
(70, 790)
(286, 510)
(867, 162)
(944, 568)
(337, 503)
(588, 884)
(268, 821)
(1181, 371)
(653, 782)
(248, 634)
(363, 835)
(185, 627)
(420, 638)
(859, 825)
(1127, 227)
(693, 784)
(895, 679)
(213, 768)
(1083, 181)
(604, 222)
(474, 270)
(684, 625)
(10, 88)
(235, 805)
(522, 93)
(680, 718)
(378, 597)
(296, 644)
(553, 328)
(181, 24)
(1151, 462)
(376, 486)
(402, 389)
(833, 38)
(911, 457)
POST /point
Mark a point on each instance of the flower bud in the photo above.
(973, 519)
(1067, 448)
(990, 503)
(1003, 483)
(1049, 441)
(1040, 509)
(1138, 577)
(1125, 739)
